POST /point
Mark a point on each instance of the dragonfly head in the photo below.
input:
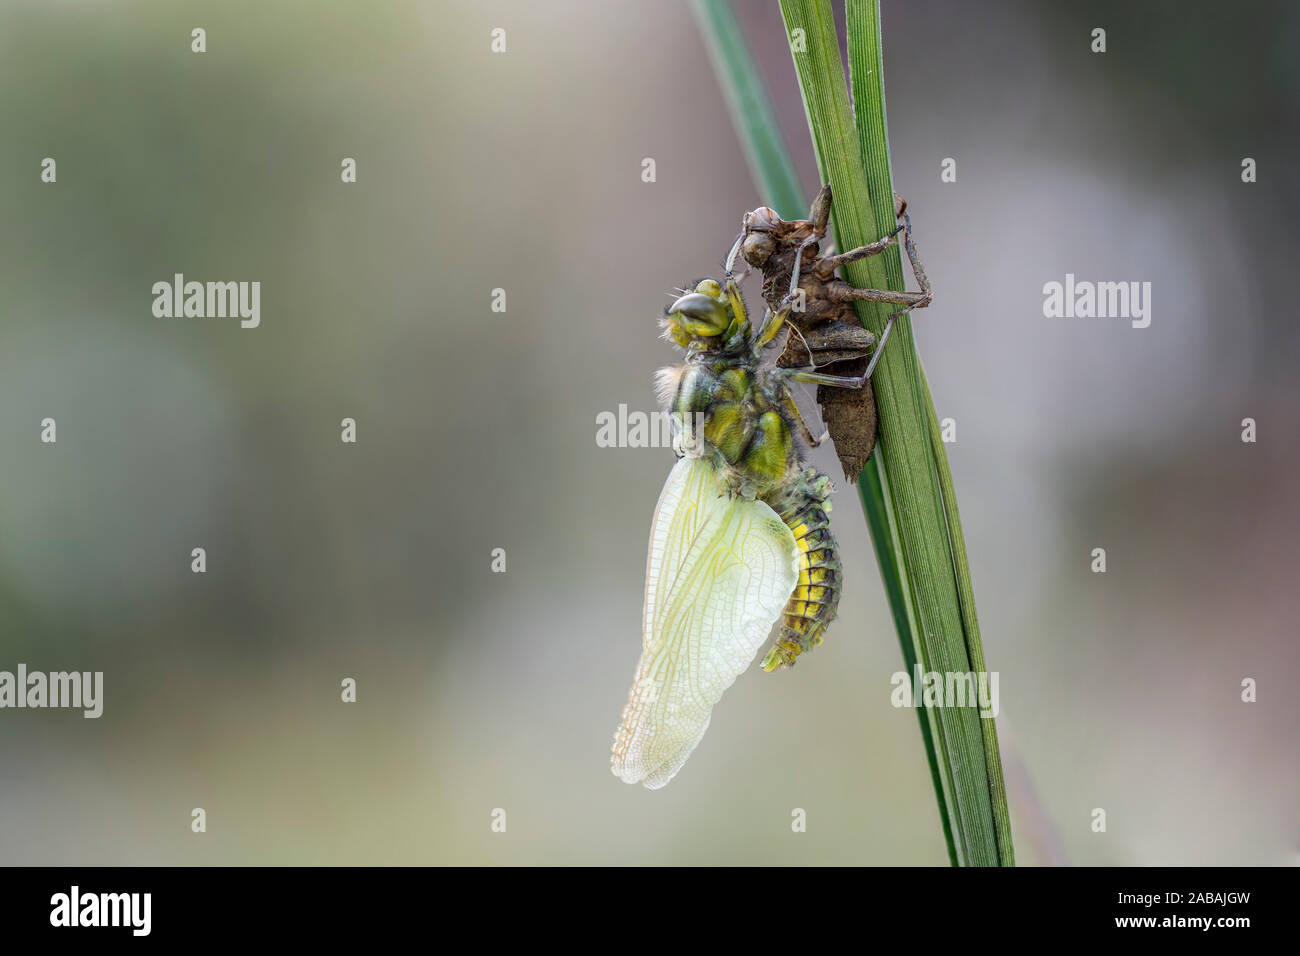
(701, 319)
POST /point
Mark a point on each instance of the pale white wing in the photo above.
(719, 572)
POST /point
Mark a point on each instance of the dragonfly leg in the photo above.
(913, 257)
(827, 265)
(913, 300)
(820, 218)
(814, 377)
(773, 321)
(731, 258)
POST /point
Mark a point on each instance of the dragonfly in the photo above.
(740, 541)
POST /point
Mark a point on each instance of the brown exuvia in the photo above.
(827, 334)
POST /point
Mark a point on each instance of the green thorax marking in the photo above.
(743, 427)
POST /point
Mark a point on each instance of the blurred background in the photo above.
(476, 430)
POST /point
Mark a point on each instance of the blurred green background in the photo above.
(476, 430)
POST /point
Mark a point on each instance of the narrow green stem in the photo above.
(773, 173)
(867, 78)
(854, 157)
(751, 110)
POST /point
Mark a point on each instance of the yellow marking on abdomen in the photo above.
(816, 596)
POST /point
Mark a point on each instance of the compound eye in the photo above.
(758, 248)
(709, 287)
(699, 314)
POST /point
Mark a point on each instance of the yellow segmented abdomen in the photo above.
(816, 595)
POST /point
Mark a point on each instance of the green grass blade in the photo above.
(864, 210)
(751, 110)
(889, 553)
(867, 82)
(773, 173)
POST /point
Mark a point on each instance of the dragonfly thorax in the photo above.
(743, 428)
